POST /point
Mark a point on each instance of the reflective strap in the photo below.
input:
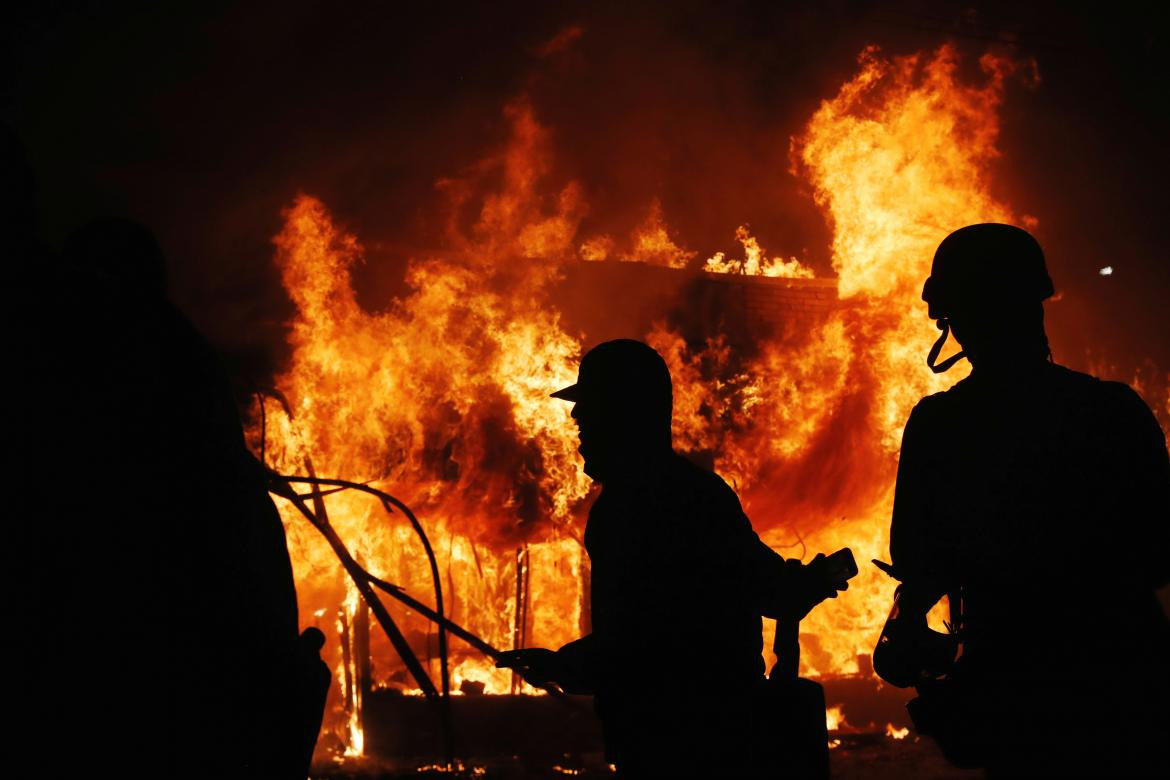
(945, 326)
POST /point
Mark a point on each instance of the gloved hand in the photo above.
(540, 666)
(811, 584)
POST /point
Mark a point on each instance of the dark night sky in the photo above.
(205, 119)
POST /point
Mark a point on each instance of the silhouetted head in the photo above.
(622, 404)
(121, 251)
(987, 284)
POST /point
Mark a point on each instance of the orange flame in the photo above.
(442, 399)
(755, 263)
(808, 429)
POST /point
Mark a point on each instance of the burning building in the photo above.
(794, 370)
(794, 388)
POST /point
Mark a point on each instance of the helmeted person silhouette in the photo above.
(1040, 498)
(679, 581)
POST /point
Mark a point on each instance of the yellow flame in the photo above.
(896, 733)
(652, 243)
(755, 262)
(834, 718)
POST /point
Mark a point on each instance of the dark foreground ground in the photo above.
(542, 738)
(859, 757)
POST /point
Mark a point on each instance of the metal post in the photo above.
(519, 624)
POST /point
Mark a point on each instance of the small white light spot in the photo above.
(1106, 271)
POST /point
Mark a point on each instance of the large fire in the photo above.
(442, 398)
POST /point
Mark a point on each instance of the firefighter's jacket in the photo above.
(679, 581)
(1045, 496)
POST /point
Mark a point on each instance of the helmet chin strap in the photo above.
(945, 326)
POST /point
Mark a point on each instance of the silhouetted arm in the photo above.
(776, 582)
(571, 668)
(738, 557)
(1137, 453)
(780, 587)
(916, 557)
(579, 665)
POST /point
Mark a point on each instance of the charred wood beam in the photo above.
(520, 620)
(346, 659)
(361, 659)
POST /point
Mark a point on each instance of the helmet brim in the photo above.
(570, 393)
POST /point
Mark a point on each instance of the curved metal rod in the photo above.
(397, 593)
(361, 580)
(356, 570)
(387, 502)
(390, 503)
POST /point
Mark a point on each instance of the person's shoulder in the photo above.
(684, 468)
(1116, 406)
(942, 404)
(700, 482)
(1078, 381)
(1102, 393)
(705, 505)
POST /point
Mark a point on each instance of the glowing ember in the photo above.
(834, 718)
(455, 768)
(442, 399)
(896, 733)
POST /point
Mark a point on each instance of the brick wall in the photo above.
(771, 298)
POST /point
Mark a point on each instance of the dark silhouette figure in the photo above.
(679, 582)
(30, 559)
(1039, 499)
(167, 640)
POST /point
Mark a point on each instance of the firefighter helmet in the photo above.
(989, 264)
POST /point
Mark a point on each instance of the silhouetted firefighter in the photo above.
(155, 601)
(1038, 498)
(197, 534)
(679, 582)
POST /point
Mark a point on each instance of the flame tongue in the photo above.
(443, 399)
(810, 428)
